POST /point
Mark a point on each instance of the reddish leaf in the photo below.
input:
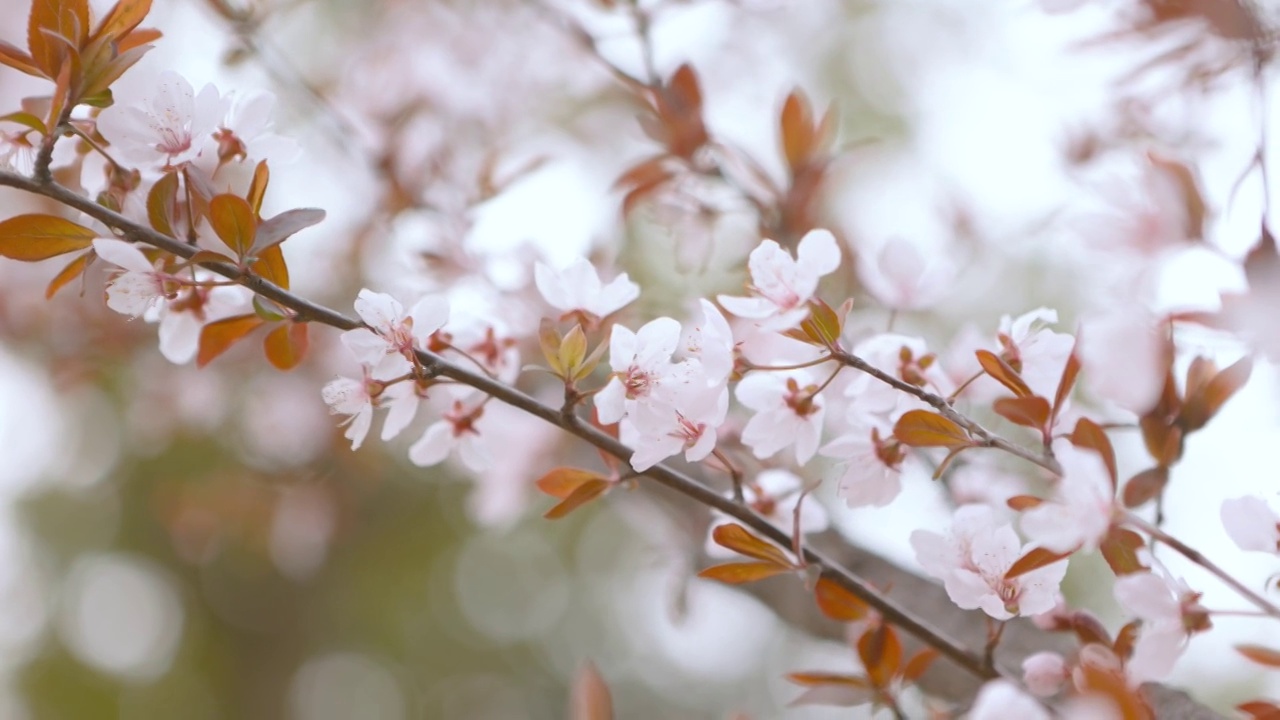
(796, 127)
(258, 187)
(1120, 550)
(740, 540)
(838, 603)
(919, 664)
(1023, 502)
(590, 698)
(1068, 380)
(30, 238)
(218, 336)
(1203, 405)
(1034, 559)
(286, 345)
(1089, 629)
(54, 27)
(824, 324)
(162, 204)
(584, 494)
(1003, 373)
(15, 58)
(881, 654)
(1088, 434)
(1145, 486)
(561, 482)
(810, 679)
(73, 270)
(831, 689)
(1260, 655)
(1126, 637)
(738, 573)
(124, 16)
(1030, 411)
(1260, 710)
(271, 267)
(922, 428)
(232, 219)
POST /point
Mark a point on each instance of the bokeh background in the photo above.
(204, 544)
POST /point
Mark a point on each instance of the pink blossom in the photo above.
(1036, 352)
(353, 398)
(577, 288)
(1044, 673)
(1122, 353)
(641, 363)
(1079, 514)
(246, 132)
(783, 285)
(789, 410)
(169, 127)
(902, 278)
(873, 466)
(392, 331)
(140, 287)
(972, 561)
(1002, 700)
(904, 357)
(1170, 611)
(710, 342)
(1252, 524)
(458, 431)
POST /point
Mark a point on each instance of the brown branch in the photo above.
(939, 403)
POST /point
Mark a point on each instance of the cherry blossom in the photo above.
(788, 410)
(1252, 524)
(578, 289)
(1170, 611)
(246, 131)
(392, 331)
(353, 398)
(169, 127)
(904, 357)
(783, 285)
(1036, 352)
(1001, 699)
(1080, 512)
(458, 432)
(872, 462)
(710, 342)
(1044, 673)
(689, 425)
(641, 363)
(140, 287)
(902, 278)
(972, 561)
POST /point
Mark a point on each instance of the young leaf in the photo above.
(837, 603)
(1034, 559)
(258, 187)
(739, 573)
(1068, 380)
(561, 482)
(1260, 710)
(1088, 434)
(919, 664)
(1261, 655)
(740, 540)
(796, 127)
(922, 428)
(1031, 411)
(283, 226)
(1203, 405)
(30, 238)
(218, 336)
(1023, 502)
(286, 345)
(881, 654)
(15, 58)
(1145, 485)
(582, 495)
(162, 204)
(1002, 373)
(1120, 550)
(123, 17)
(232, 219)
(73, 270)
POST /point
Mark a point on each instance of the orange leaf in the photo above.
(582, 495)
(35, 237)
(1088, 434)
(233, 220)
(1203, 405)
(590, 699)
(809, 679)
(1260, 710)
(1034, 559)
(796, 127)
(271, 267)
(919, 663)
(15, 58)
(740, 540)
(73, 270)
(1068, 380)
(124, 16)
(1120, 550)
(286, 345)
(220, 335)
(1126, 638)
(562, 481)
(738, 573)
(881, 654)
(922, 428)
(162, 204)
(1031, 411)
(1260, 655)
(838, 603)
(1145, 485)
(1003, 373)
(1023, 502)
(824, 324)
